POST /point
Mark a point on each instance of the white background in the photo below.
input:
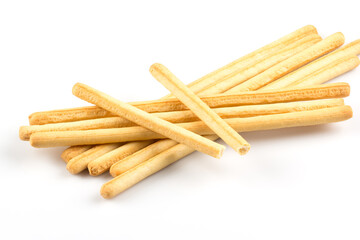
(299, 183)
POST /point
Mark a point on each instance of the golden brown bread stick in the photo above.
(104, 162)
(73, 151)
(326, 62)
(160, 161)
(80, 162)
(329, 72)
(199, 108)
(147, 120)
(174, 117)
(141, 156)
(91, 112)
(101, 136)
(325, 46)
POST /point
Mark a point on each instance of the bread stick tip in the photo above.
(105, 192)
(23, 133)
(244, 150)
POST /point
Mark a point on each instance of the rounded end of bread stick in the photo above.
(94, 170)
(340, 37)
(71, 167)
(24, 133)
(311, 28)
(106, 192)
(113, 171)
(244, 149)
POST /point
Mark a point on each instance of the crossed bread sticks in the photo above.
(248, 66)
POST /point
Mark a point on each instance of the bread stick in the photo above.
(199, 108)
(73, 151)
(325, 46)
(328, 61)
(80, 162)
(147, 120)
(111, 135)
(91, 112)
(162, 160)
(329, 72)
(103, 163)
(141, 156)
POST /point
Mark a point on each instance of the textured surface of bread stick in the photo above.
(199, 108)
(174, 117)
(329, 72)
(80, 162)
(147, 120)
(160, 161)
(214, 79)
(74, 151)
(141, 156)
(100, 136)
(325, 46)
(104, 162)
(328, 61)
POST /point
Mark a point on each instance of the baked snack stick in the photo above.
(325, 46)
(341, 90)
(147, 120)
(80, 162)
(199, 108)
(161, 145)
(128, 134)
(332, 90)
(332, 71)
(307, 37)
(74, 151)
(160, 161)
(91, 112)
(328, 61)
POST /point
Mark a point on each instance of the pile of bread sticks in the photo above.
(280, 85)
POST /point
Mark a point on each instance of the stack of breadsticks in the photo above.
(279, 85)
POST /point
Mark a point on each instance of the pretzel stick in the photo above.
(101, 136)
(160, 161)
(147, 120)
(91, 112)
(199, 108)
(80, 162)
(186, 115)
(104, 162)
(310, 38)
(73, 151)
(162, 145)
(327, 45)
(328, 61)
